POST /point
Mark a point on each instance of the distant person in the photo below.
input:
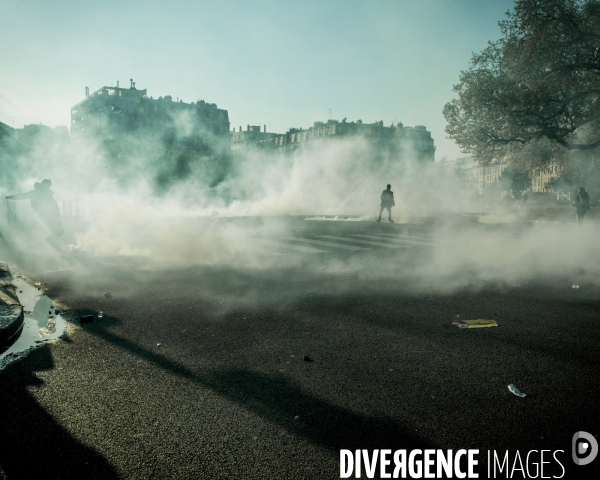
(42, 201)
(387, 201)
(581, 204)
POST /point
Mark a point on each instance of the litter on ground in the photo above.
(516, 391)
(479, 323)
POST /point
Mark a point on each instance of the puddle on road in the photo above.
(35, 326)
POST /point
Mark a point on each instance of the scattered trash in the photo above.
(20, 291)
(100, 314)
(575, 286)
(307, 358)
(86, 319)
(37, 284)
(479, 323)
(297, 417)
(108, 295)
(516, 391)
(158, 344)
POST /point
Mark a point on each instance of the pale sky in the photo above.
(280, 63)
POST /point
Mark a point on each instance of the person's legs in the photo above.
(55, 225)
(389, 209)
(380, 212)
(580, 216)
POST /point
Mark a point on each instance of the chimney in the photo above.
(240, 128)
(247, 128)
(117, 84)
(265, 129)
(87, 91)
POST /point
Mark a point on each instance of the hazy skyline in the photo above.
(281, 64)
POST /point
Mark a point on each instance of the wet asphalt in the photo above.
(265, 370)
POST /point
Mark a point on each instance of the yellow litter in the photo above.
(479, 323)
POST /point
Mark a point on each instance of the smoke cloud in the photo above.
(176, 203)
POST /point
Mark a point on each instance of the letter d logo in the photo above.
(581, 448)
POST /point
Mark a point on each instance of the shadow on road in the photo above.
(279, 401)
(34, 445)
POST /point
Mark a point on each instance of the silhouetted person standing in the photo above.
(581, 204)
(387, 201)
(42, 201)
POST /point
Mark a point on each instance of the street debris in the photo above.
(307, 358)
(86, 319)
(479, 323)
(575, 286)
(158, 344)
(516, 391)
(100, 314)
(108, 295)
(50, 328)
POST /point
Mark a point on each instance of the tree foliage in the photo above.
(514, 181)
(540, 82)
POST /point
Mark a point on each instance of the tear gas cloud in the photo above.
(142, 199)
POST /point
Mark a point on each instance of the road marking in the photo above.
(365, 242)
(326, 244)
(396, 238)
(298, 248)
(462, 239)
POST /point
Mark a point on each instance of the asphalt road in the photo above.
(266, 366)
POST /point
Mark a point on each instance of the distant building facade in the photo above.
(129, 109)
(243, 140)
(542, 179)
(480, 177)
(415, 141)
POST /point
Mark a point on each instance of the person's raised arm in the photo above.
(21, 196)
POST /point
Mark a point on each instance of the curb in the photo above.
(11, 311)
